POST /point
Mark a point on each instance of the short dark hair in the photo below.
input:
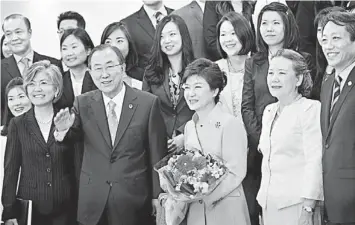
(209, 71)
(291, 36)
(71, 15)
(81, 35)
(102, 47)
(17, 16)
(242, 29)
(346, 19)
(132, 57)
(158, 61)
(15, 82)
(319, 19)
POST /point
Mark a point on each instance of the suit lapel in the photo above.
(144, 21)
(128, 108)
(34, 129)
(99, 110)
(328, 90)
(12, 67)
(196, 11)
(349, 84)
(167, 88)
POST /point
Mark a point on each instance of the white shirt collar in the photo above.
(29, 56)
(150, 12)
(201, 4)
(118, 99)
(345, 74)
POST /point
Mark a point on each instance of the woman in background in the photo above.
(216, 132)
(47, 167)
(291, 144)
(171, 53)
(214, 11)
(116, 34)
(75, 48)
(17, 104)
(5, 49)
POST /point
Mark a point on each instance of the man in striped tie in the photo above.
(338, 119)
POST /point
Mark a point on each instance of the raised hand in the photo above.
(64, 120)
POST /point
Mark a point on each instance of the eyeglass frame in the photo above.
(108, 69)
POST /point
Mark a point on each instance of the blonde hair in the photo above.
(51, 70)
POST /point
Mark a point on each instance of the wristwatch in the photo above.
(308, 209)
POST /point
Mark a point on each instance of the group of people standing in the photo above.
(237, 79)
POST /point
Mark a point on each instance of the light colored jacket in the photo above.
(224, 136)
(292, 154)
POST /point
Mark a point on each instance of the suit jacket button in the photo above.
(47, 155)
(326, 146)
(200, 201)
(112, 160)
(49, 184)
(48, 170)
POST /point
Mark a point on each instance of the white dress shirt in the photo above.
(150, 12)
(118, 99)
(76, 84)
(201, 4)
(20, 65)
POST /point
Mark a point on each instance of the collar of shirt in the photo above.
(201, 4)
(344, 74)
(118, 99)
(29, 56)
(150, 12)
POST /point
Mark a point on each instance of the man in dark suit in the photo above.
(141, 25)
(193, 17)
(17, 30)
(124, 136)
(338, 119)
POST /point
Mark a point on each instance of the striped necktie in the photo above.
(336, 93)
(158, 17)
(25, 63)
(112, 120)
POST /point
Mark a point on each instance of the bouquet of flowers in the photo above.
(186, 176)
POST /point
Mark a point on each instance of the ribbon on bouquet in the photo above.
(172, 212)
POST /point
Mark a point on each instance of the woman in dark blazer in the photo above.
(116, 34)
(47, 167)
(214, 11)
(171, 53)
(75, 47)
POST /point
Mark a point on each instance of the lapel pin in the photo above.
(130, 106)
(350, 83)
(218, 124)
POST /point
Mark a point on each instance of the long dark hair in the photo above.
(291, 36)
(158, 61)
(132, 57)
(15, 82)
(224, 7)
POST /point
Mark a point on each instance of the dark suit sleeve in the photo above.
(210, 20)
(248, 105)
(12, 166)
(157, 143)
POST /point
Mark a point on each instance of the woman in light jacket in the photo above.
(291, 144)
(219, 133)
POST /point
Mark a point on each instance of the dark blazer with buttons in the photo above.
(47, 169)
(9, 70)
(142, 32)
(122, 171)
(67, 98)
(339, 150)
(193, 17)
(256, 96)
(175, 119)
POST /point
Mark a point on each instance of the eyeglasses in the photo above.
(107, 69)
(41, 84)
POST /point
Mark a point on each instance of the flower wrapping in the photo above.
(187, 176)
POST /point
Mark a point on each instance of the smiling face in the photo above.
(338, 49)
(198, 93)
(107, 72)
(118, 39)
(170, 39)
(73, 52)
(228, 39)
(18, 101)
(272, 28)
(18, 35)
(282, 80)
(41, 90)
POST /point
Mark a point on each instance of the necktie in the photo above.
(112, 120)
(25, 62)
(158, 17)
(336, 93)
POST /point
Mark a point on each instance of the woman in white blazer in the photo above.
(291, 144)
(235, 41)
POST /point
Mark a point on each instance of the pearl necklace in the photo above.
(45, 122)
(232, 69)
